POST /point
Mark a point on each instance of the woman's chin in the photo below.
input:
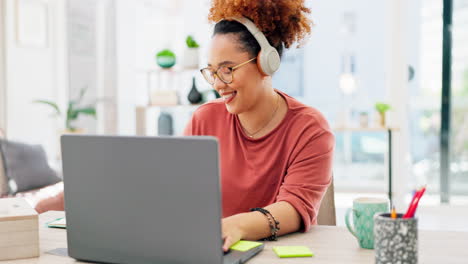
(232, 109)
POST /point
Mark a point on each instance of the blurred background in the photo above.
(116, 56)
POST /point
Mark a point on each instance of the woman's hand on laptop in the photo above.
(254, 225)
(231, 231)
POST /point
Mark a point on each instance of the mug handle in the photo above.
(348, 223)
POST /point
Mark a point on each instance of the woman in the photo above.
(276, 153)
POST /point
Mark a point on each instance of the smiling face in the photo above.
(246, 90)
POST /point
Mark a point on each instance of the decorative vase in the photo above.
(166, 58)
(363, 119)
(216, 94)
(165, 124)
(194, 96)
(191, 58)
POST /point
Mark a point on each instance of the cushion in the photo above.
(3, 180)
(26, 166)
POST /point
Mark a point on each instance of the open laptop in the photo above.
(144, 200)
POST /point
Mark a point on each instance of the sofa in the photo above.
(45, 198)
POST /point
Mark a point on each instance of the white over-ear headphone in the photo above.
(268, 60)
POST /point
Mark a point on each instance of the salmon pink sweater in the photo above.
(292, 163)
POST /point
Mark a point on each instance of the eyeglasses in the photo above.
(224, 73)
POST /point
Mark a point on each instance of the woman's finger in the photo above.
(227, 243)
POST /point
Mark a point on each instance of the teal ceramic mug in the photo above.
(363, 211)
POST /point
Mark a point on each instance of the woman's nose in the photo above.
(218, 84)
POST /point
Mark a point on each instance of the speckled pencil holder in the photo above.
(395, 240)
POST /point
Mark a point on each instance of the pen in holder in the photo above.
(395, 239)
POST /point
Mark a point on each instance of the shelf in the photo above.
(147, 116)
(170, 106)
(365, 129)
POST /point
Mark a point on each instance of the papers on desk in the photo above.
(58, 223)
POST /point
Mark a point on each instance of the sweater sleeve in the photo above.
(197, 126)
(308, 177)
(188, 131)
(193, 125)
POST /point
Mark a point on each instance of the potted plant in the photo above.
(191, 53)
(382, 108)
(166, 58)
(74, 110)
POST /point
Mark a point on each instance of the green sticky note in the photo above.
(292, 251)
(245, 245)
(57, 223)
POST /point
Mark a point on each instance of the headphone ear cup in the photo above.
(259, 64)
(268, 61)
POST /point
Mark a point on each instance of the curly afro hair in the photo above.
(284, 22)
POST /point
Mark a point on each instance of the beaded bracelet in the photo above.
(274, 225)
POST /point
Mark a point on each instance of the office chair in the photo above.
(327, 213)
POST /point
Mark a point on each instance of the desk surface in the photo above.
(330, 245)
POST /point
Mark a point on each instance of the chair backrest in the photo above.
(3, 179)
(327, 213)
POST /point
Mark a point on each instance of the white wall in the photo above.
(43, 72)
(82, 55)
(35, 73)
(2, 70)
(91, 60)
(328, 43)
(142, 29)
(396, 86)
(106, 67)
(125, 50)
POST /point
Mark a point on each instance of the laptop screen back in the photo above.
(142, 200)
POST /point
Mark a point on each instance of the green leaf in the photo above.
(165, 52)
(82, 93)
(86, 111)
(191, 43)
(70, 109)
(52, 104)
(74, 113)
(382, 107)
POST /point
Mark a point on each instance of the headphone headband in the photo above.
(268, 59)
(254, 30)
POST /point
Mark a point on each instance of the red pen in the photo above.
(414, 203)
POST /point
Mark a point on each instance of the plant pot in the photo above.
(166, 59)
(363, 119)
(191, 57)
(382, 119)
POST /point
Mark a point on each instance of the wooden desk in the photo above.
(330, 245)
